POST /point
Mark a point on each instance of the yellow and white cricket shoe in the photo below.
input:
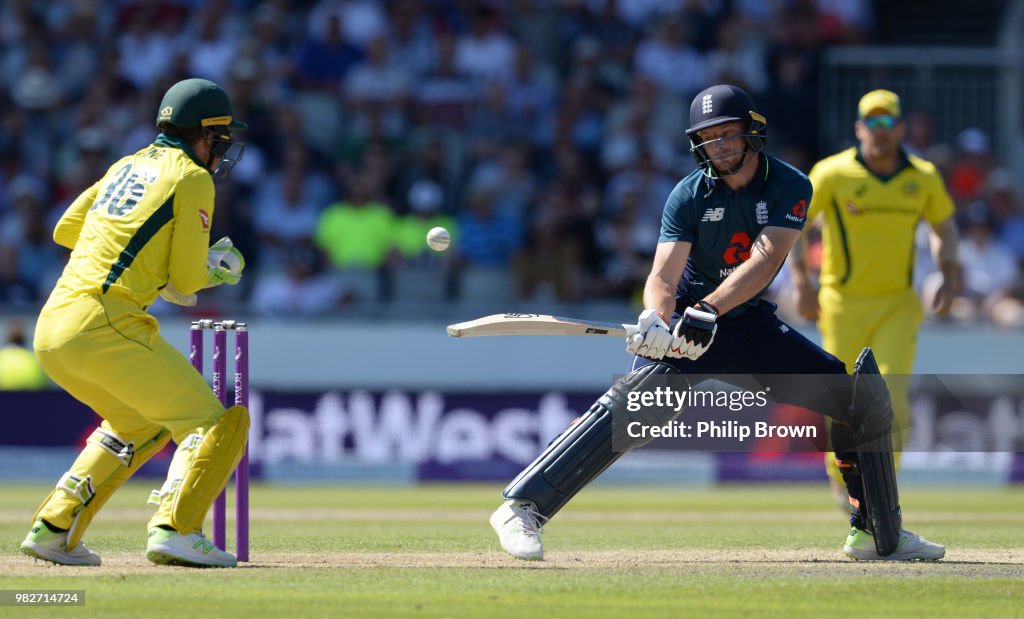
(42, 543)
(519, 525)
(167, 547)
(860, 545)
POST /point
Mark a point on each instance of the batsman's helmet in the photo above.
(201, 103)
(721, 104)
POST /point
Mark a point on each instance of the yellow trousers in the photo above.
(109, 355)
(889, 325)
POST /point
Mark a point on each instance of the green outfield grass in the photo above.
(767, 551)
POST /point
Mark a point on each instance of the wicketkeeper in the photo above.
(725, 233)
(143, 230)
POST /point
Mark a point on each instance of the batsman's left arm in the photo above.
(767, 254)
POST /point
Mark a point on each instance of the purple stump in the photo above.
(195, 354)
(220, 364)
(242, 472)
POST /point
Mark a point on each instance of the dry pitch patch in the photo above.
(962, 562)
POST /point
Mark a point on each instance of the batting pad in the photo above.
(584, 450)
(872, 410)
(201, 472)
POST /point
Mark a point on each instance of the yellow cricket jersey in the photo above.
(144, 224)
(870, 221)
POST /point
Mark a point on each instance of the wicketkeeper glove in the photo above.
(171, 295)
(225, 263)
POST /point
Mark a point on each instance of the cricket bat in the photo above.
(537, 324)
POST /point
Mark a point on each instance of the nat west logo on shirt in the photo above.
(761, 212)
(713, 214)
(204, 217)
(738, 249)
(798, 212)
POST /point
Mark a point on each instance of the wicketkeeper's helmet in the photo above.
(201, 103)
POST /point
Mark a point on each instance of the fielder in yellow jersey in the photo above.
(143, 230)
(871, 198)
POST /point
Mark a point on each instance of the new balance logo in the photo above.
(705, 104)
(713, 214)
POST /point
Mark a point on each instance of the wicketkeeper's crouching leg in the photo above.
(107, 461)
(576, 458)
(201, 467)
(864, 449)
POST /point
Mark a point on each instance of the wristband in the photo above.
(707, 307)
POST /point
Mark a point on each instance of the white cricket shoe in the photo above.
(42, 543)
(192, 550)
(519, 525)
(860, 545)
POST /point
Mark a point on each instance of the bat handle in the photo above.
(631, 330)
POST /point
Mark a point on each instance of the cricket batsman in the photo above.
(726, 230)
(143, 230)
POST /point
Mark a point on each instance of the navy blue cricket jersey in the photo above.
(722, 224)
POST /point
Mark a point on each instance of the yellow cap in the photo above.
(879, 100)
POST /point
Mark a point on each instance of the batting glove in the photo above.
(694, 332)
(225, 263)
(652, 338)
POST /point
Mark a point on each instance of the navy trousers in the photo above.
(756, 345)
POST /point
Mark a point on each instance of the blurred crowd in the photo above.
(544, 134)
